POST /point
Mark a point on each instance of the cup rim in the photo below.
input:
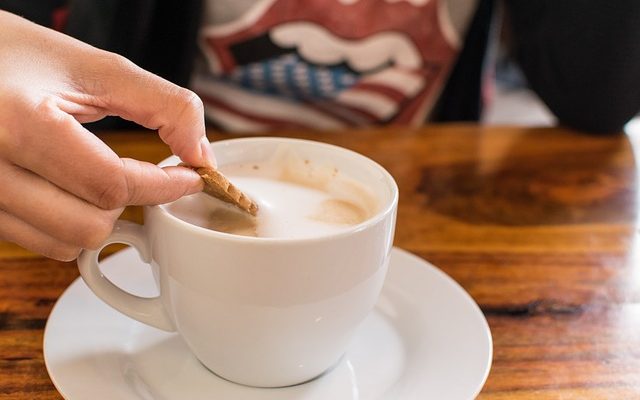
(371, 221)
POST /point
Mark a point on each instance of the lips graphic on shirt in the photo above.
(326, 64)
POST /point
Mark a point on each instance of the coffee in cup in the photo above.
(296, 198)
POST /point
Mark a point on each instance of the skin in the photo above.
(62, 188)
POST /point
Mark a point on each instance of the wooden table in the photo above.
(539, 225)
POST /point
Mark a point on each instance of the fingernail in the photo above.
(207, 153)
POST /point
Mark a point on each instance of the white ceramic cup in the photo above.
(265, 312)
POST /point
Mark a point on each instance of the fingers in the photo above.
(61, 188)
(64, 153)
(144, 183)
(25, 235)
(53, 211)
(137, 95)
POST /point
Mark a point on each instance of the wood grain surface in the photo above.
(538, 225)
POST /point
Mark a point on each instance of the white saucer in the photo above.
(426, 339)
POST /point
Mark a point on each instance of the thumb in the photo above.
(137, 95)
(148, 184)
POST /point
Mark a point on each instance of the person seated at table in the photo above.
(263, 65)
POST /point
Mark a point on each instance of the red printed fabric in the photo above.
(326, 64)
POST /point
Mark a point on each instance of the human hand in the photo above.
(62, 188)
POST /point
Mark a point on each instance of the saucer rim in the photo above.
(487, 329)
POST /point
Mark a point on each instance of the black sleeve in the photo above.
(461, 97)
(40, 11)
(582, 57)
(160, 36)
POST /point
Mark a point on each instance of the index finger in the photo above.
(124, 89)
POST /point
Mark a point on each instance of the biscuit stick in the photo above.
(218, 186)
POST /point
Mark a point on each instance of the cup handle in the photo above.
(149, 311)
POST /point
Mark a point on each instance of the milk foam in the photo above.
(297, 198)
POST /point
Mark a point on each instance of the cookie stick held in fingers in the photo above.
(218, 186)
